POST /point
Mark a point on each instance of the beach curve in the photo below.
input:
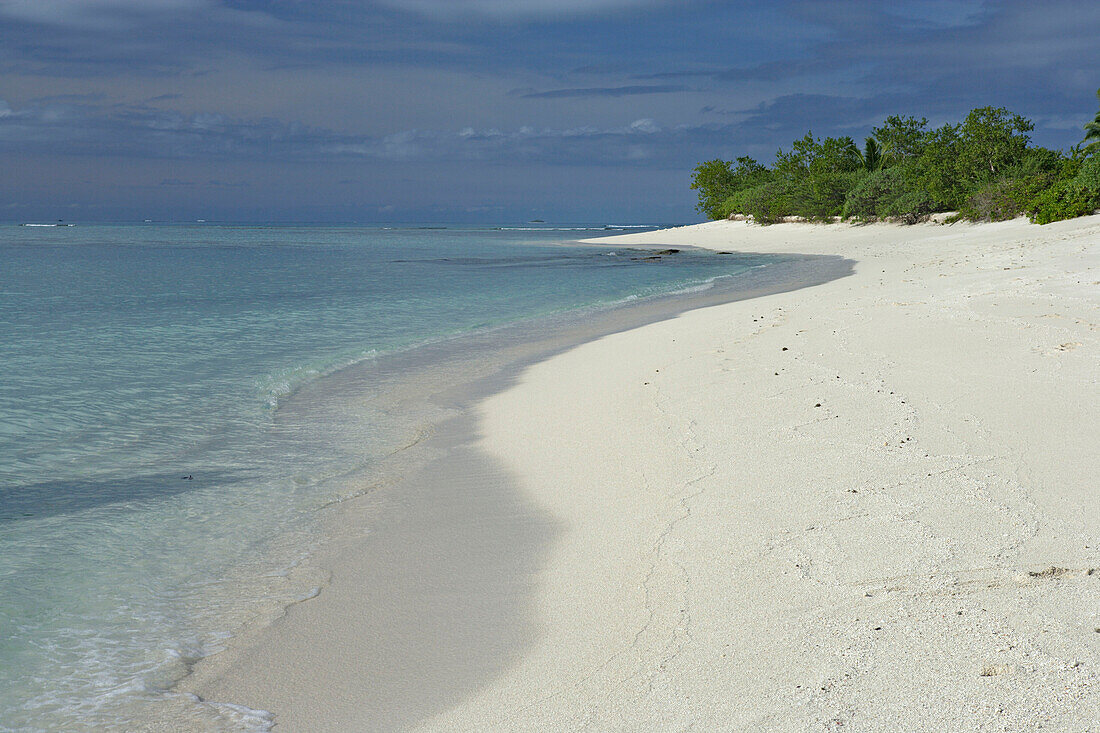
(868, 504)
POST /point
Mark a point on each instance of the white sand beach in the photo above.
(871, 505)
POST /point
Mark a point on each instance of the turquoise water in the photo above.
(133, 356)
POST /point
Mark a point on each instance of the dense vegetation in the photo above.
(985, 168)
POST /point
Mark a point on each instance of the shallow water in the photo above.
(134, 356)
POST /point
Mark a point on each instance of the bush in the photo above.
(718, 180)
(937, 169)
(1075, 193)
(1063, 200)
(991, 141)
(767, 203)
(888, 194)
(984, 167)
(727, 208)
(814, 176)
(1005, 198)
(902, 139)
(737, 203)
(821, 196)
(1088, 176)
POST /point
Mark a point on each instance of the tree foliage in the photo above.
(985, 168)
(871, 155)
(718, 180)
(1092, 132)
(889, 193)
(902, 139)
(991, 139)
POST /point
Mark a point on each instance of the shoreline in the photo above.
(449, 377)
(690, 572)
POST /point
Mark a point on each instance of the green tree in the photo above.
(937, 168)
(714, 182)
(749, 173)
(813, 156)
(1092, 132)
(984, 167)
(888, 193)
(901, 139)
(815, 176)
(992, 140)
(718, 180)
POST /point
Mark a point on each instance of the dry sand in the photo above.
(873, 504)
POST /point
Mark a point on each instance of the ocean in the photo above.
(160, 485)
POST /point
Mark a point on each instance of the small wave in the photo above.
(282, 384)
(699, 288)
(550, 229)
(206, 714)
(309, 594)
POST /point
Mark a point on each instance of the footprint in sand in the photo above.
(996, 670)
(1060, 348)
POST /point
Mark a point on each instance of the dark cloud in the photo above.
(421, 98)
(517, 9)
(139, 131)
(625, 91)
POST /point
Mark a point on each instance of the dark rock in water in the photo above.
(655, 255)
(725, 253)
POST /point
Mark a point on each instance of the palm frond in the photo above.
(872, 155)
(1092, 131)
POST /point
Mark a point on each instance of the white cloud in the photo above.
(103, 13)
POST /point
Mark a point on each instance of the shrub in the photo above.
(887, 194)
(727, 208)
(1004, 198)
(984, 167)
(738, 202)
(714, 182)
(718, 180)
(1088, 176)
(822, 196)
(992, 140)
(815, 175)
(937, 168)
(767, 203)
(1075, 192)
(1063, 200)
(902, 139)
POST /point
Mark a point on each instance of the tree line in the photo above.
(985, 168)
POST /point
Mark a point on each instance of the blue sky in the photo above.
(486, 110)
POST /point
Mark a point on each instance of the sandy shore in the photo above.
(872, 504)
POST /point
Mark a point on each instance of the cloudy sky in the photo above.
(486, 110)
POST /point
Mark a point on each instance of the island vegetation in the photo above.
(985, 168)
